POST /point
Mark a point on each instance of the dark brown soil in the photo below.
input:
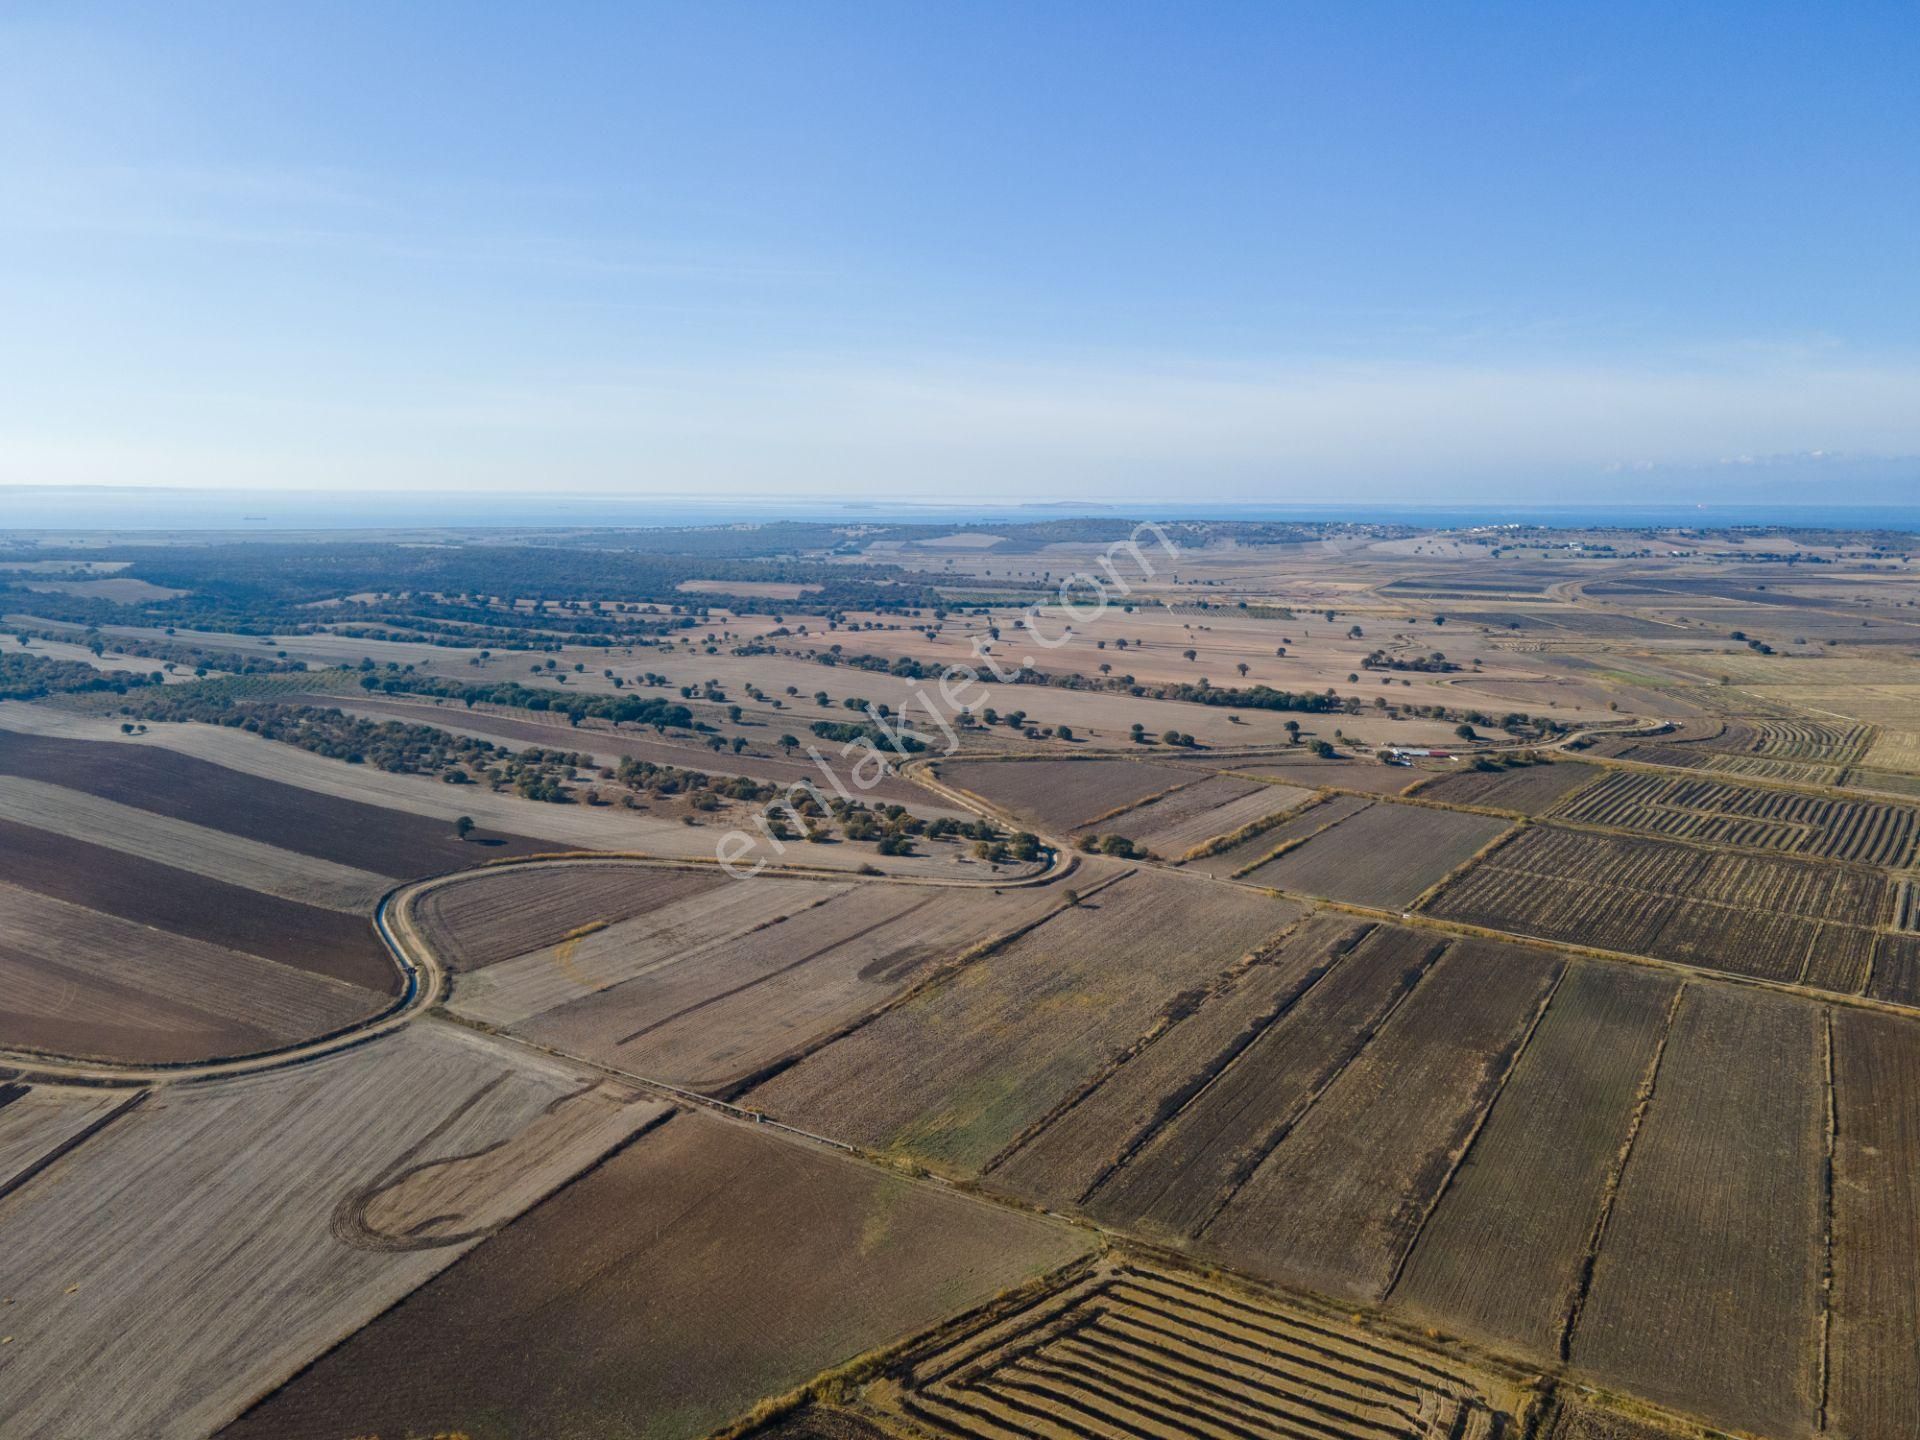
(390, 842)
(324, 942)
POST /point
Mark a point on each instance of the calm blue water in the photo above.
(37, 508)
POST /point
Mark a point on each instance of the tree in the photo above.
(1243, 668)
(1138, 732)
(1323, 749)
(1293, 732)
(1191, 654)
(1065, 732)
(463, 827)
(789, 744)
(1465, 732)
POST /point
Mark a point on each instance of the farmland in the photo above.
(634, 1291)
(1385, 856)
(1745, 914)
(1562, 1085)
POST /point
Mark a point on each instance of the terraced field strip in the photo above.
(1216, 806)
(1172, 1183)
(194, 848)
(1137, 1351)
(1340, 1200)
(1710, 1317)
(1290, 832)
(1873, 1385)
(1867, 832)
(1525, 1203)
(1069, 1158)
(40, 1123)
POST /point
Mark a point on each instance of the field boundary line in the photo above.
(1616, 1174)
(20, 1178)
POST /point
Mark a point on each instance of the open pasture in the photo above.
(959, 1071)
(82, 983)
(1385, 856)
(700, 1269)
(243, 1190)
(1132, 1349)
(1867, 832)
(1686, 1309)
(1340, 1200)
(1745, 914)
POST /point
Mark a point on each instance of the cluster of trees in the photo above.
(646, 710)
(1381, 660)
(33, 677)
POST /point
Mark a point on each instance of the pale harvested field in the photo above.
(1174, 1182)
(1064, 1162)
(1384, 856)
(753, 1004)
(1526, 790)
(699, 1270)
(1215, 807)
(1874, 1384)
(1371, 779)
(1057, 796)
(962, 1069)
(1525, 1202)
(1340, 1200)
(120, 589)
(511, 991)
(36, 1121)
(1716, 1319)
(224, 1201)
(496, 914)
(78, 982)
(186, 846)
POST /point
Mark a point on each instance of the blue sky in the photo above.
(1232, 251)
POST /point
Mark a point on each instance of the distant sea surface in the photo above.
(63, 508)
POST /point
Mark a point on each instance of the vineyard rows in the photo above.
(1865, 831)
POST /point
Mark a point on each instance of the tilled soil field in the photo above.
(497, 914)
(1874, 1383)
(1716, 1318)
(962, 1069)
(1342, 1198)
(1525, 1203)
(326, 942)
(81, 983)
(1384, 856)
(700, 1269)
(1525, 790)
(1058, 796)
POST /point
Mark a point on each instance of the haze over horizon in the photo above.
(1123, 254)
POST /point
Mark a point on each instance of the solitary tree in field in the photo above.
(463, 827)
(1293, 732)
(1191, 654)
(1243, 667)
(789, 744)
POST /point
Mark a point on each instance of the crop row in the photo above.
(1138, 1351)
(1866, 831)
